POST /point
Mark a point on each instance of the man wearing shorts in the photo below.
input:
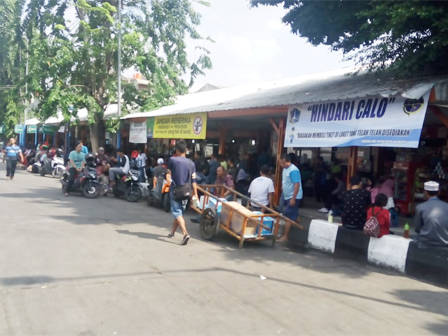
(292, 191)
(183, 172)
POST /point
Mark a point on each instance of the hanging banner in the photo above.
(181, 126)
(138, 132)
(2, 129)
(18, 129)
(150, 127)
(31, 129)
(378, 122)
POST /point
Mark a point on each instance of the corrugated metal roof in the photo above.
(327, 86)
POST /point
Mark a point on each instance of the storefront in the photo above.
(369, 121)
(378, 137)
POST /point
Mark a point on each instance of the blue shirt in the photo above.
(12, 151)
(291, 176)
(181, 168)
(78, 158)
(141, 162)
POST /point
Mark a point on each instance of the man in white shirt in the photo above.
(122, 167)
(141, 162)
(261, 189)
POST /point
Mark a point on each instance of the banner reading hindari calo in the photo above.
(379, 121)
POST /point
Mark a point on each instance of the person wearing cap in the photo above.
(431, 220)
(160, 168)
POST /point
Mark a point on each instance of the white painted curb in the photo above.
(322, 235)
(390, 251)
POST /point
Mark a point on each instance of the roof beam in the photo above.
(439, 114)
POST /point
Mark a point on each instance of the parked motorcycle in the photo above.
(57, 166)
(45, 167)
(86, 182)
(53, 165)
(160, 194)
(128, 186)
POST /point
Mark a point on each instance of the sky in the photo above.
(253, 45)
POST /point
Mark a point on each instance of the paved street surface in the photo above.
(73, 266)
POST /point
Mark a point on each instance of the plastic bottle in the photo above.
(195, 202)
(406, 231)
(330, 216)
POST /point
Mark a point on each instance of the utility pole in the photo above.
(22, 137)
(119, 74)
(26, 82)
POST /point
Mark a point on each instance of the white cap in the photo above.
(160, 161)
(431, 186)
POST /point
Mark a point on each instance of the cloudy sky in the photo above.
(252, 45)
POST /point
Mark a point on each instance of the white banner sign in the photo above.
(138, 132)
(379, 122)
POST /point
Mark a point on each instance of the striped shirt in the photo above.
(12, 151)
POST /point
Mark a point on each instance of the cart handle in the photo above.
(272, 213)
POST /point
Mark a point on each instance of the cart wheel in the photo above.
(209, 224)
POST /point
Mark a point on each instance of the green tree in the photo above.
(408, 37)
(75, 62)
(12, 71)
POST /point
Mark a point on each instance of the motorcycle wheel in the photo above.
(166, 203)
(150, 199)
(132, 193)
(91, 190)
(57, 172)
(116, 192)
(42, 172)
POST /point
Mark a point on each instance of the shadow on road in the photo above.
(146, 235)
(111, 211)
(434, 302)
(420, 300)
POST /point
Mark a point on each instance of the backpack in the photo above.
(372, 226)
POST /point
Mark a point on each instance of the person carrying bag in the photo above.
(378, 218)
(183, 187)
(183, 192)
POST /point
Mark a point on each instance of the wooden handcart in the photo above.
(234, 218)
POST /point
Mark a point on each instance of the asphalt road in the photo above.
(73, 266)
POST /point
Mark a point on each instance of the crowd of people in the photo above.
(359, 202)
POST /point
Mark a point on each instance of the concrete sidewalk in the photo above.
(311, 207)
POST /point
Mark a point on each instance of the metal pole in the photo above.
(119, 73)
(27, 104)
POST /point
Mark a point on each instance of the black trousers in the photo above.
(242, 187)
(71, 178)
(11, 167)
(331, 200)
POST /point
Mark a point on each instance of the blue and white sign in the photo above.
(379, 122)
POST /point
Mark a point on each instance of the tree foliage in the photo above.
(11, 65)
(73, 54)
(408, 37)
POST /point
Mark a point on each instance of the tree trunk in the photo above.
(97, 133)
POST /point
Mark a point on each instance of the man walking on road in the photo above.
(183, 173)
(292, 190)
(76, 162)
(11, 153)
